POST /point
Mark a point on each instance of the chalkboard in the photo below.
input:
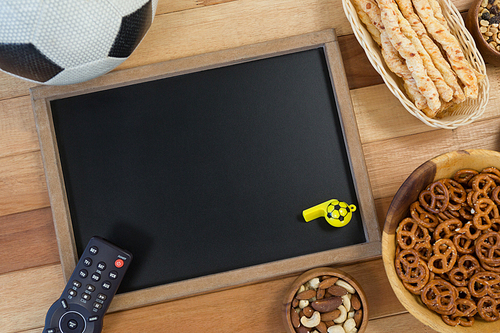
(208, 171)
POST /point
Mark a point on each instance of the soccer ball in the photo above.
(58, 42)
(339, 213)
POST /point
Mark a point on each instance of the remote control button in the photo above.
(119, 263)
(77, 283)
(64, 303)
(97, 306)
(51, 330)
(106, 285)
(86, 296)
(101, 266)
(83, 273)
(87, 262)
(113, 275)
(72, 292)
(94, 250)
(93, 318)
(72, 322)
(102, 297)
(96, 277)
(90, 288)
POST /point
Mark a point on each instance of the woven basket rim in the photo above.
(473, 108)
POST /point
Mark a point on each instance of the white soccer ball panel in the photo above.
(127, 7)
(74, 32)
(85, 72)
(18, 20)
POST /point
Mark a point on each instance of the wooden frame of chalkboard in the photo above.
(43, 96)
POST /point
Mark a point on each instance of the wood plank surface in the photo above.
(394, 144)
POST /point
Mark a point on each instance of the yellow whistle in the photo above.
(337, 213)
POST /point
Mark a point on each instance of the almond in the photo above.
(337, 291)
(321, 327)
(295, 318)
(355, 302)
(320, 293)
(327, 283)
(330, 316)
(307, 294)
(358, 315)
(308, 311)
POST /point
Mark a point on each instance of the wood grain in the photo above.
(394, 144)
(27, 240)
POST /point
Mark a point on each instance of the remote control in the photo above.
(90, 289)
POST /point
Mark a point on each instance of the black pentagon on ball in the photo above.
(26, 61)
(132, 29)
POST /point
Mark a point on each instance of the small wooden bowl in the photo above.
(443, 166)
(318, 272)
(490, 55)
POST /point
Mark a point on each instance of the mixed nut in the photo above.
(326, 304)
(489, 19)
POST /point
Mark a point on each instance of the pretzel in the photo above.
(435, 198)
(423, 217)
(410, 268)
(488, 308)
(484, 284)
(463, 244)
(463, 176)
(456, 192)
(466, 309)
(410, 232)
(440, 296)
(422, 277)
(467, 266)
(483, 183)
(494, 195)
(470, 232)
(493, 173)
(488, 248)
(424, 249)
(445, 256)
(484, 208)
(447, 229)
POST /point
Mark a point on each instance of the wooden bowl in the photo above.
(443, 166)
(490, 55)
(319, 272)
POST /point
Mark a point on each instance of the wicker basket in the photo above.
(465, 112)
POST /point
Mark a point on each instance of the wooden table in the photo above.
(394, 144)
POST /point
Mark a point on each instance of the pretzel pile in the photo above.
(448, 250)
(418, 46)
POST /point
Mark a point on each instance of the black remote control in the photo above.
(90, 289)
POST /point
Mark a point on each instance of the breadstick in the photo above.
(451, 47)
(397, 66)
(445, 92)
(410, 54)
(438, 13)
(389, 53)
(365, 18)
(439, 61)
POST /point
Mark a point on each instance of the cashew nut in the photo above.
(301, 289)
(349, 325)
(350, 314)
(303, 303)
(335, 329)
(346, 286)
(347, 302)
(343, 315)
(311, 322)
(314, 283)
